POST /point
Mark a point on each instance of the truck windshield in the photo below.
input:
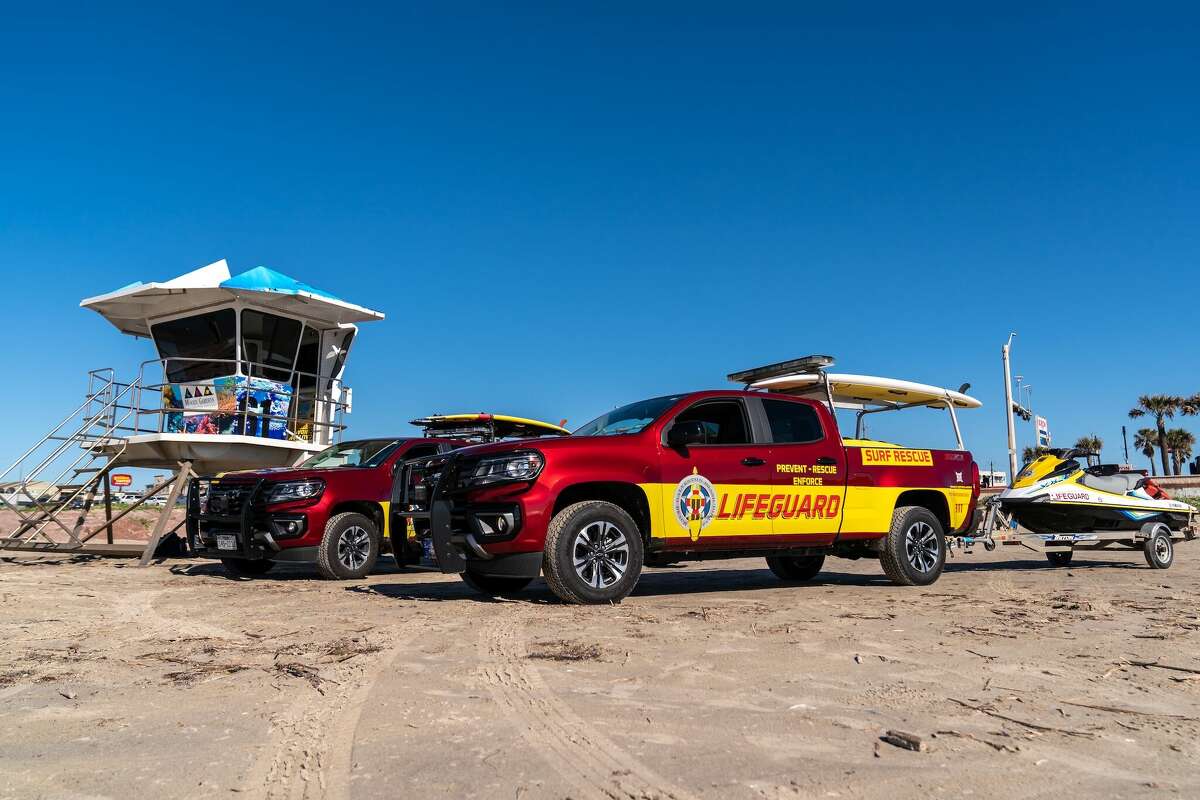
(628, 419)
(363, 453)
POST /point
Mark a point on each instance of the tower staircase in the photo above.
(47, 507)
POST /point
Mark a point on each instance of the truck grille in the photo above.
(227, 499)
(421, 478)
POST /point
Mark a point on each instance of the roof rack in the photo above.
(804, 365)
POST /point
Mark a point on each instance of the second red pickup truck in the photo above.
(712, 474)
(333, 510)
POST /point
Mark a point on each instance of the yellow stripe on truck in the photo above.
(752, 509)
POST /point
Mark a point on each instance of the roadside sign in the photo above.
(121, 479)
(1043, 432)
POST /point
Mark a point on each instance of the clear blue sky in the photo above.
(563, 209)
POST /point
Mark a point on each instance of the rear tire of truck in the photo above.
(795, 569)
(494, 585)
(349, 548)
(914, 550)
(246, 568)
(593, 553)
(1060, 559)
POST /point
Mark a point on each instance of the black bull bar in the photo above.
(414, 498)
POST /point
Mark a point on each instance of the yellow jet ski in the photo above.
(1054, 493)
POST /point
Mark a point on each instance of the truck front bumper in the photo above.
(248, 533)
(460, 551)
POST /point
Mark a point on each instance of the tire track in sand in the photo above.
(314, 740)
(589, 761)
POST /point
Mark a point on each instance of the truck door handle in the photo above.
(826, 461)
(753, 461)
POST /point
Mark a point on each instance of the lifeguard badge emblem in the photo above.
(695, 503)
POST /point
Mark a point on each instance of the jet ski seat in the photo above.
(1106, 478)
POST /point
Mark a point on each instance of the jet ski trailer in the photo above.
(1156, 539)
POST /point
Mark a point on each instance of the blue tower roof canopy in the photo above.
(132, 308)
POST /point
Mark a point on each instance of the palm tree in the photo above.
(1162, 407)
(1190, 406)
(1180, 443)
(1146, 440)
(1092, 444)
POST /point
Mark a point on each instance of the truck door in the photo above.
(711, 490)
(808, 467)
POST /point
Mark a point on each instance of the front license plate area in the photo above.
(227, 542)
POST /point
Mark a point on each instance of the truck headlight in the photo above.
(287, 491)
(507, 468)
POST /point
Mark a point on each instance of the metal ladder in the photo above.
(62, 472)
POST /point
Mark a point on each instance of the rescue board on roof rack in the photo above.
(487, 426)
(856, 391)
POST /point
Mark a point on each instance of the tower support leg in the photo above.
(181, 478)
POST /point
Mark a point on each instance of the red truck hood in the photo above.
(290, 473)
(544, 444)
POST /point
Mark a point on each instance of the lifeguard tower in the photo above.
(248, 375)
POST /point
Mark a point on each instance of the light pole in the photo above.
(1020, 395)
(1032, 417)
(1008, 409)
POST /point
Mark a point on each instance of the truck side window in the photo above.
(724, 421)
(792, 423)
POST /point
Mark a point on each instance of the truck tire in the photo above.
(247, 568)
(1159, 549)
(914, 550)
(795, 569)
(593, 553)
(349, 547)
(1060, 559)
(494, 585)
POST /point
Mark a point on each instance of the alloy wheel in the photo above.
(600, 554)
(921, 546)
(353, 547)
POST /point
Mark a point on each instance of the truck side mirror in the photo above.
(686, 433)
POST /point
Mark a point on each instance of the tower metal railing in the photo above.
(47, 505)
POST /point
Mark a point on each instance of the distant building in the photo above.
(991, 479)
(34, 490)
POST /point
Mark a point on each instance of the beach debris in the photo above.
(564, 650)
(905, 740)
(1003, 748)
(991, 712)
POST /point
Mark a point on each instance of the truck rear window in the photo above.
(792, 423)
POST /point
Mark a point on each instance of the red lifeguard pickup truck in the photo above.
(332, 510)
(761, 471)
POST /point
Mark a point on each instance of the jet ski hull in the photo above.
(1042, 516)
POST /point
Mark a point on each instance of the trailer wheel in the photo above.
(348, 548)
(1159, 549)
(1060, 559)
(593, 553)
(493, 585)
(914, 550)
(247, 568)
(794, 569)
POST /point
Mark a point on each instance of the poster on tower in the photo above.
(232, 404)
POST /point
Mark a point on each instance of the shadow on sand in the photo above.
(426, 583)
